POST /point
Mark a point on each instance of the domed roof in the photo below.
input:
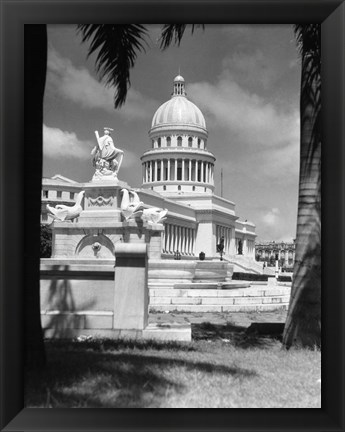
(178, 110)
(179, 78)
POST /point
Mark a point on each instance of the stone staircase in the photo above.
(245, 264)
(237, 299)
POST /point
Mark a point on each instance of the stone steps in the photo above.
(262, 298)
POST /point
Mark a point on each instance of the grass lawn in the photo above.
(224, 367)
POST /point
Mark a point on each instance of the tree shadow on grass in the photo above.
(237, 336)
(85, 378)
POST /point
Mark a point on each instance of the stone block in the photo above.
(160, 300)
(248, 300)
(276, 299)
(232, 293)
(131, 289)
(272, 307)
(166, 293)
(275, 292)
(202, 293)
(73, 293)
(98, 322)
(185, 301)
(239, 308)
(217, 301)
(61, 322)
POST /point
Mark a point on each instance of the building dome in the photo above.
(178, 161)
(178, 110)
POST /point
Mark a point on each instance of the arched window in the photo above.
(199, 142)
(190, 142)
(168, 142)
(179, 187)
(159, 142)
(179, 141)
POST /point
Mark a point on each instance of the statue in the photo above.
(62, 212)
(154, 215)
(220, 248)
(107, 159)
(130, 204)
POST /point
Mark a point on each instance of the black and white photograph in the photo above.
(180, 246)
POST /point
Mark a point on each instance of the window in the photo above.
(153, 143)
(45, 194)
(159, 142)
(71, 195)
(190, 142)
(193, 188)
(179, 141)
(164, 187)
(58, 194)
(199, 143)
(168, 142)
(179, 187)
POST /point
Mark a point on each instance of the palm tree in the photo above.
(303, 324)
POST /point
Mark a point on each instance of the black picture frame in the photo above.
(14, 173)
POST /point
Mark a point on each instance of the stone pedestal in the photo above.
(131, 289)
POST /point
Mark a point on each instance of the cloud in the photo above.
(79, 86)
(59, 144)
(264, 138)
(272, 217)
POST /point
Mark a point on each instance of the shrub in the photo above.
(249, 277)
(46, 241)
(284, 278)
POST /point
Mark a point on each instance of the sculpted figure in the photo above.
(154, 215)
(107, 159)
(130, 204)
(62, 212)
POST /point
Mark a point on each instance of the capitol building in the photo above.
(178, 175)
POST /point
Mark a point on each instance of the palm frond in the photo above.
(175, 32)
(116, 48)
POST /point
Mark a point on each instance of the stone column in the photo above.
(150, 171)
(175, 170)
(196, 170)
(169, 177)
(183, 167)
(190, 170)
(131, 289)
(156, 169)
(162, 170)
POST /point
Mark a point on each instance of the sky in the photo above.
(244, 78)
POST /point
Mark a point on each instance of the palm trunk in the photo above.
(35, 75)
(303, 324)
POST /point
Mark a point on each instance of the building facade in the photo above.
(271, 251)
(178, 175)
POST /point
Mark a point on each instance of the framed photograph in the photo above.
(21, 179)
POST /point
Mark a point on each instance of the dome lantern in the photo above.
(179, 89)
